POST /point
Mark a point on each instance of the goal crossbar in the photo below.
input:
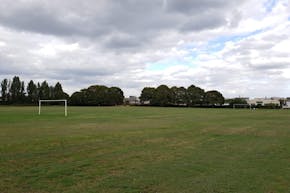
(58, 100)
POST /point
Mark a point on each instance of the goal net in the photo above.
(64, 101)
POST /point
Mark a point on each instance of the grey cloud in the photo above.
(204, 22)
(11, 65)
(266, 66)
(66, 74)
(50, 20)
(235, 18)
(101, 18)
(189, 6)
(126, 41)
(37, 21)
(253, 45)
(274, 38)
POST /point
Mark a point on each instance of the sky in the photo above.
(238, 47)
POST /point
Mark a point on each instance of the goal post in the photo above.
(48, 101)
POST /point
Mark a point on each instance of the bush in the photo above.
(271, 106)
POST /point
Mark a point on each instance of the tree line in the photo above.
(98, 95)
(15, 92)
(192, 96)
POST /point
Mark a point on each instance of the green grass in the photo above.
(139, 149)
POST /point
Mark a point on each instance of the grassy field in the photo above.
(139, 149)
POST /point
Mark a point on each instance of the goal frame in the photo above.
(48, 101)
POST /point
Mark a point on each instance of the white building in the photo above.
(286, 103)
(132, 100)
(263, 101)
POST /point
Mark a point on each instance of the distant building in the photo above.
(286, 103)
(264, 101)
(145, 102)
(132, 100)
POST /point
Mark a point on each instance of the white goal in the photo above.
(48, 101)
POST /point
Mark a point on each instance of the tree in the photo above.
(147, 94)
(22, 92)
(65, 96)
(115, 96)
(234, 101)
(4, 90)
(45, 90)
(31, 92)
(162, 96)
(214, 98)
(78, 98)
(51, 92)
(58, 92)
(98, 95)
(15, 90)
(39, 91)
(179, 95)
(195, 96)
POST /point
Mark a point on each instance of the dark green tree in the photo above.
(115, 96)
(31, 92)
(179, 95)
(15, 90)
(234, 101)
(97, 95)
(214, 98)
(22, 93)
(78, 98)
(39, 91)
(58, 92)
(195, 96)
(147, 94)
(163, 96)
(4, 90)
(45, 90)
(51, 93)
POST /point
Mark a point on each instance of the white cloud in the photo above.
(53, 49)
(2, 44)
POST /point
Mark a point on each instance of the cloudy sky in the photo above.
(239, 47)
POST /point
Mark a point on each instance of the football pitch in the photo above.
(144, 149)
